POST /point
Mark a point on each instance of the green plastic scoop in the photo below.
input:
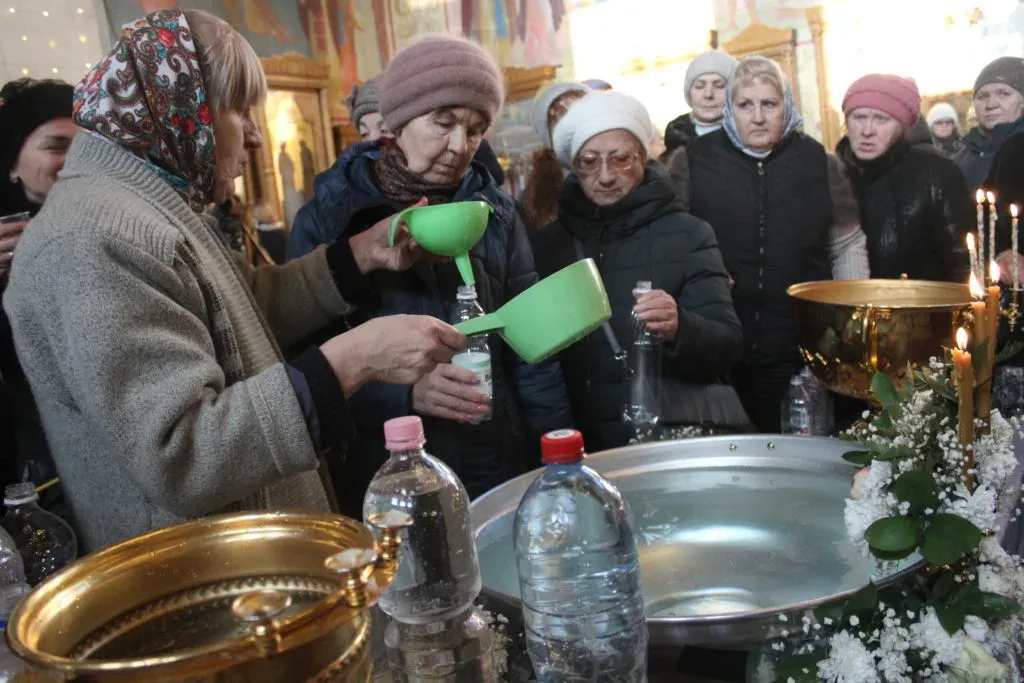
(555, 313)
(446, 230)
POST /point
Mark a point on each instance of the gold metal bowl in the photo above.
(849, 330)
(254, 597)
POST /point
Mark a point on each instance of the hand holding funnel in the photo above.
(446, 230)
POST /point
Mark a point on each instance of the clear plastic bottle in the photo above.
(46, 542)
(12, 589)
(456, 650)
(438, 571)
(477, 355)
(798, 408)
(821, 403)
(643, 407)
(579, 573)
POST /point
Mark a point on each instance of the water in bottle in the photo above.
(579, 573)
(477, 355)
(821, 403)
(45, 541)
(798, 408)
(643, 407)
(12, 589)
(438, 571)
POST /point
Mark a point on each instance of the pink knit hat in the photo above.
(898, 97)
(439, 71)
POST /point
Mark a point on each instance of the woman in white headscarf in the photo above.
(781, 210)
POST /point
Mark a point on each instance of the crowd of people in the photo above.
(163, 377)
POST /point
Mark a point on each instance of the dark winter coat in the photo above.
(528, 399)
(772, 218)
(645, 236)
(1006, 179)
(679, 132)
(979, 151)
(915, 210)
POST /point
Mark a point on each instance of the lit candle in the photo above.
(1014, 237)
(991, 196)
(978, 309)
(973, 254)
(983, 399)
(963, 375)
(980, 197)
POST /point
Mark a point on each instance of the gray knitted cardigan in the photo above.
(153, 353)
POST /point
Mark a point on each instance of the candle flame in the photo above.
(979, 196)
(1014, 210)
(976, 290)
(961, 339)
(991, 197)
(993, 272)
(970, 242)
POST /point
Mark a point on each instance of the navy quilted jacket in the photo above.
(528, 399)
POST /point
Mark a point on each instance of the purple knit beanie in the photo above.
(439, 71)
(898, 97)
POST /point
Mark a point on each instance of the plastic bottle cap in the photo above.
(16, 494)
(466, 293)
(404, 433)
(561, 447)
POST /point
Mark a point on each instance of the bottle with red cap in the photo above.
(579, 573)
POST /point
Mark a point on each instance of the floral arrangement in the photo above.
(921, 494)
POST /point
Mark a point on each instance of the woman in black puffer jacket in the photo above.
(914, 204)
(621, 210)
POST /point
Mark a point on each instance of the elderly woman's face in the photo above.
(759, 109)
(234, 134)
(708, 96)
(610, 166)
(997, 103)
(42, 157)
(872, 132)
(371, 126)
(440, 145)
(560, 107)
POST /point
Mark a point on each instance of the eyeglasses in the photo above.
(618, 162)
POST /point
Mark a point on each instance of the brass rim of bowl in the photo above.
(912, 294)
(300, 629)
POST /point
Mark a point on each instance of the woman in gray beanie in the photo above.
(547, 175)
(438, 97)
(364, 109)
(704, 89)
(999, 103)
(620, 208)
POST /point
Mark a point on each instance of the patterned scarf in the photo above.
(790, 122)
(149, 95)
(402, 186)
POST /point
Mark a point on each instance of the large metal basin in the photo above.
(735, 532)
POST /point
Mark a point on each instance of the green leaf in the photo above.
(1009, 350)
(887, 556)
(951, 617)
(896, 453)
(991, 606)
(793, 667)
(893, 534)
(859, 458)
(943, 585)
(883, 424)
(979, 351)
(918, 488)
(832, 610)
(886, 393)
(947, 538)
(864, 600)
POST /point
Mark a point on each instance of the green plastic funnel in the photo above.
(555, 313)
(446, 230)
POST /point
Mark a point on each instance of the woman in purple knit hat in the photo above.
(914, 204)
(438, 98)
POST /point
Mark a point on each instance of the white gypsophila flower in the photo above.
(848, 661)
(975, 627)
(991, 581)
(994, 454)
(892, 655)
(1000, 572)
(929, 634)
(978, 508)
(872, 505)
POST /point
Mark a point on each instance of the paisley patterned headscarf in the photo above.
(149, 95)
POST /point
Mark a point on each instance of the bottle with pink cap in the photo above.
(438, 571)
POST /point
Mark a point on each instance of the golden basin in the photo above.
(849, 330)
(253, 597)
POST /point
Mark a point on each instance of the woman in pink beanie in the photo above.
(914, 204)
(438, 97)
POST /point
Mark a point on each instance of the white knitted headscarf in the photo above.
(597, 113)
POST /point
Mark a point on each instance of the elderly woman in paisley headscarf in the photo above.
(153, 353)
